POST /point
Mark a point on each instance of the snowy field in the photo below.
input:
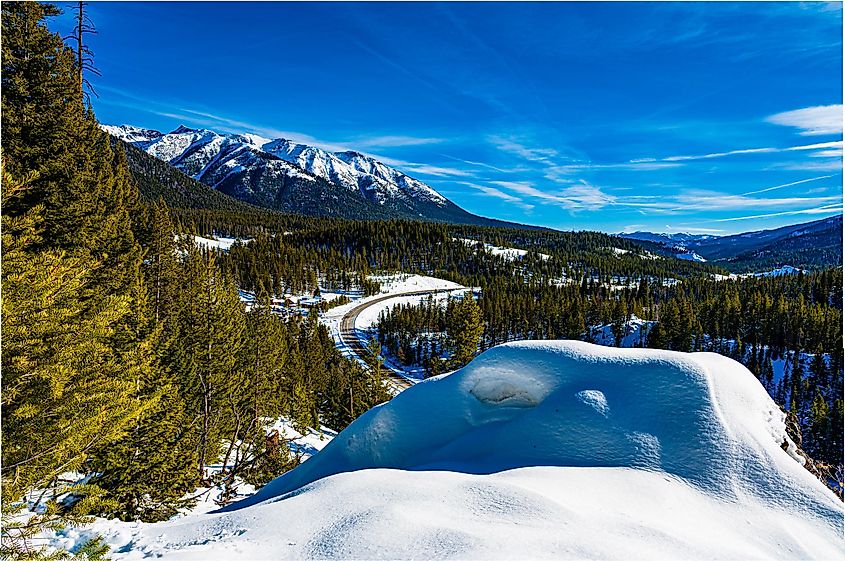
(369, 317)
(392, 285)
(537, 450)
(779, 272)
(507, 253)
(218, 243)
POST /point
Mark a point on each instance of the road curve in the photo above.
(350, 337)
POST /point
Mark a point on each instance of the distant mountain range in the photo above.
(807, 246)
(203, 169)
(291, 177)
(667, 239)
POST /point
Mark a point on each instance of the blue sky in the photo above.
(699, 117)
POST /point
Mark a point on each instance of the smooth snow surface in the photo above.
(507, 253)
(541, 449)
(220, 243)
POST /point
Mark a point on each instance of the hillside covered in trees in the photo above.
(127, 354)
(130, 358)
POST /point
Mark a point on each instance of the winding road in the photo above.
(349, 336)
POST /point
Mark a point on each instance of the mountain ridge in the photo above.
(808, 245)
(287, 176)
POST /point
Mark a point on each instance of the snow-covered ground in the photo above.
(779, 272)
(401, 283)
(391, 285)
(541, 449)
(219, 242)
(508, 253)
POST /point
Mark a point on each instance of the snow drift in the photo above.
(545, 449)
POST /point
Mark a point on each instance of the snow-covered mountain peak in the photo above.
(206, 154)
(129, 133)
(181, 129)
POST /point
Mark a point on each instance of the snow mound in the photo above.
(546, 449)
(701, 417)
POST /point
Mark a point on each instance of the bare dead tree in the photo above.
(84, 55)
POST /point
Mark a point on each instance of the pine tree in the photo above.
(83, 185)
(818, 374)
(620, 318)
(464, 329)
(211, 327)
(819, 426)
(65, 389)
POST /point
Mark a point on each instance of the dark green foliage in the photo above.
(464, 327)
(414, 334)
(66, 388)
(127, 354)
(72, 350)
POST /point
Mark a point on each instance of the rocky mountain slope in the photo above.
(287, 176)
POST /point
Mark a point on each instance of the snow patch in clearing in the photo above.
(222, 243)
(507, 253)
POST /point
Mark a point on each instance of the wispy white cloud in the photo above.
(581, 196)
(787, 185)
(512, 146)
(562, 173)
(825, 209)
(498, 194)
(718, 154)
(439, 171)
(704, 200)
(396, 141)
(518, 169)
(693, 201)
(827, 154)
(830, 164)
(584, 196)
(819, 146)
(765, 150)
(818, 120)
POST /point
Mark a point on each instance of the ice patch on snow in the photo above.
(595, 399)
